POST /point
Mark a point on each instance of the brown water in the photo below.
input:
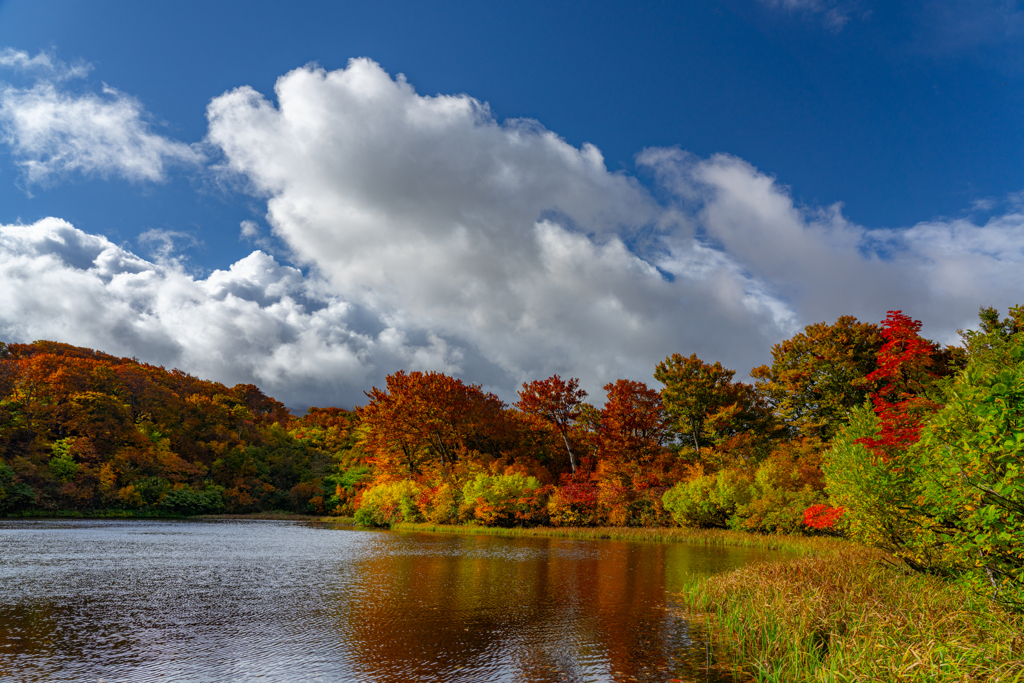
(283, 601)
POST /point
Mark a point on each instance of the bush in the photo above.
(346, 485)
(787, 483)
(878, 495)
(62, 464)
(440, 505)
(512, 499)
(186, 501)
(307, 496)
(972, 476)
(14, 496)
(574, 504)
(387, 504)
(710, 500)
(152, 489)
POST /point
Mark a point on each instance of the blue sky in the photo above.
(764, 164)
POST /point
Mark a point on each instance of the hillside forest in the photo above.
(857, 429)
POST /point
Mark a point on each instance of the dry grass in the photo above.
(716, 537)
(850, 616)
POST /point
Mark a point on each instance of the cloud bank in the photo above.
(432, 236)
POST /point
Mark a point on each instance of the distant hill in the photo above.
(84, 430)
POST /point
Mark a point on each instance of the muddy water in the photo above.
(283, 601)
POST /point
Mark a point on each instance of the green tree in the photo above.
(817, 376)
(705, 406)
(972, 463)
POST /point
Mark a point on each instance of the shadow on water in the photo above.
(281, 601)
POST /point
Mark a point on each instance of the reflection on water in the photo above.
(280, 601)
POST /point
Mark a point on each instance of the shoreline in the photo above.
(277, 515)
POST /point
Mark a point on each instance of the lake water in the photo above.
(236, 600)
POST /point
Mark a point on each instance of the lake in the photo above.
(247, 600)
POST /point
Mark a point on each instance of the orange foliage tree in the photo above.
(555, 402)
(423, 418)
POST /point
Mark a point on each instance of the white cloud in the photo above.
(53, 132)
(504, 239)
(43, 64)
(500, 237)
(258, 321)
(438, 238)
(250, 230)
(823, 266)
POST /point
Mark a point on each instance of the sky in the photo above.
(312, 195)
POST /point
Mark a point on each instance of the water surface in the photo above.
(235, 600)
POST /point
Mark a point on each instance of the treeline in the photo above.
(854, 428)
(83, 430)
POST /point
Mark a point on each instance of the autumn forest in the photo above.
(855, 429)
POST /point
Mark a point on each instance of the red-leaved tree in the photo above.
(905, 369)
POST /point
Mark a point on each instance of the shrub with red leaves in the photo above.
(823, 517)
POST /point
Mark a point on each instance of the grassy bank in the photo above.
(849, 616)
(717, 537)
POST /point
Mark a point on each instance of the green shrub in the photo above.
(387, 504)
(779, 495)
(345, 486)
(971, 474)
(187, 501)
(710, 500)
(512, 499)
(14, 496)
(878, 496)
(152, 489)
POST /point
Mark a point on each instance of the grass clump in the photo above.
(849, 616)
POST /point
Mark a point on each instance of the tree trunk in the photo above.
(572, 456)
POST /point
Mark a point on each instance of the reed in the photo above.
(709, 537)
(850, 616)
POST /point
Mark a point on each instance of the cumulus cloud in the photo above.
(498, 236)
(941, 271)
(433, 236)
(257, 321)
(53, 132)
(503, 238)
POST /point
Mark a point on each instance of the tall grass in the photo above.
(850, 616)
(712, 537)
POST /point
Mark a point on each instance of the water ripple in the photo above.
(245, 600)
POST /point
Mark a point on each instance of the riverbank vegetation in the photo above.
(849, 616)
(857, 430)
(791, 543)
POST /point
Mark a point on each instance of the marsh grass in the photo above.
(710, 537)
(849, 616)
